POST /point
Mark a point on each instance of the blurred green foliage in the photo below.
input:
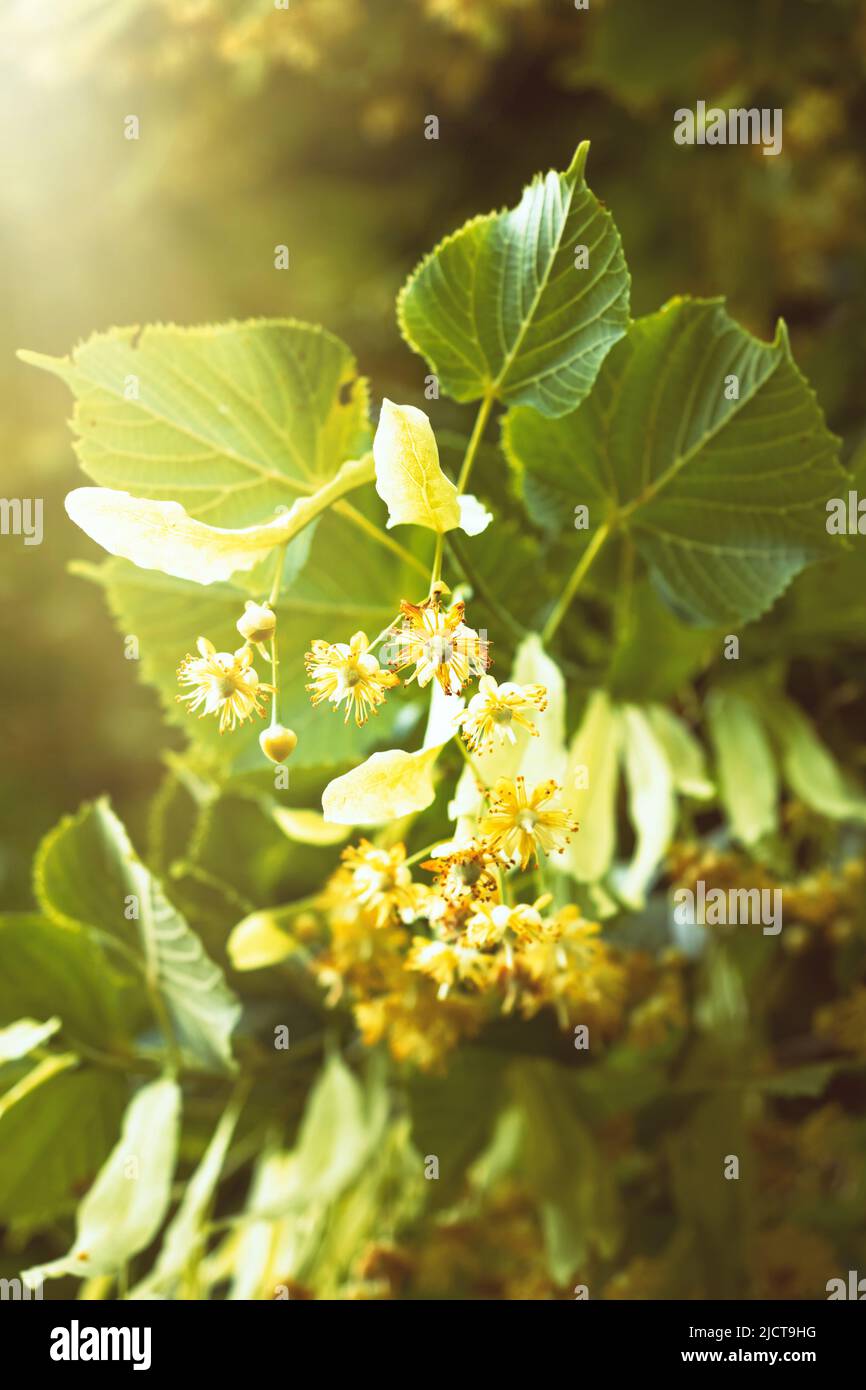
(306, 128)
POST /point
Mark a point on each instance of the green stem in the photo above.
(436, 572)
(577, 576)
(187, 868)
(161, 1014)
(474, 441)
(275, 666)
(423, 853)
(275, 659)
(386, 632)
(626, 582)
(350, 513)
(278, 576)
(503, 887)
(470, 763)
(480, 589)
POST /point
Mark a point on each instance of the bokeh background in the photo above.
(305, 127)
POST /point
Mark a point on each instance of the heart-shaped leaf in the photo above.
(707, 445)
(231, 421)
(523, 305)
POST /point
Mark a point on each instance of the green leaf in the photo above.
(747, 775)
(679, 651)
(809, 1081)
(186, 1235)
(57, 1124)
(590, 784)
(334, 1136)
(387, 1197)
(126, 1205)
(331, 600)
(725, 499)
(46, 969)
(501, 307)
(566, 1172)
(652, 807)
(333, 1142)
(87, 872)
(231, 421)
(453, 1115)
(297, 1200)
(22, 1037)
(684, 753)
(810, 769)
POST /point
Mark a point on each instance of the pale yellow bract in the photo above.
(386, 786)
(409, 477)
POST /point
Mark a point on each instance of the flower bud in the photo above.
(257, 622)
(278, 742)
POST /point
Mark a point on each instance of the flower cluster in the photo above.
(433, 640)
(425, 964)
(226, 683)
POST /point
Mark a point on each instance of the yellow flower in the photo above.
(494, 711)
(468, 874)
(418, 1026)
(572, 971)
(519, 825)
(348, 671)
(381, 882)
(446, 963)
(224, 683)
(438, 644)
(488, 926)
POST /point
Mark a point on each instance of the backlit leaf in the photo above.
(22, 1037)
(652, 808)
(385, 787)
(408, 474)
(747, 773)
(505, 306)
(162, 536)
(707, 445)
(126, 1205)
(810, 769)
(230, 420)
(590, 783)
